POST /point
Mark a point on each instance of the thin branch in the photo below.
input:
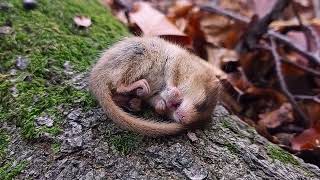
(226, 13)
(306, 97)
(296, 47)
(259, 28)
(281, 38)
(306, 31)
(304, 121)
(287, 61)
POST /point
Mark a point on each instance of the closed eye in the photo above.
(202, 106)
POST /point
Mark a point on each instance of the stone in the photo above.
(192, 136)
(14, 91)
(74, 115)
(68, 70)
(30, 4)
(5, 6)
(5, 30)
(44, 121)
(22, 63)
(196, 173)
(75, 142)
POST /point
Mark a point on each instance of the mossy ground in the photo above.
(4, 141)
(125, 143)
(277, 153)
(47, 37)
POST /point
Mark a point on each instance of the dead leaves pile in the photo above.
(251, 84)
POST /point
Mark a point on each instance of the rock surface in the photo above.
(228, 149)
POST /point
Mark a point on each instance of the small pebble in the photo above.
(192, 136)
(5, 6)
(45, 120)
(22, 63)
(5, 30)
(30, 4)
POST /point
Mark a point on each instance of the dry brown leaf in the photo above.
(313, 111)
(152, 22)
(267, 93)
(220, 56)
(82, 21)
(277, 117)
(220, 31)
(242, 7)
(179, 9)
(262, 7)
(239, 81)
(305, 3)
(290, 70)
(309, 139)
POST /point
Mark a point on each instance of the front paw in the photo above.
(143, 89)
(161, 107)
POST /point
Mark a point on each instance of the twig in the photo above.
(304, 121)
(306, 31)
(285, 60)
(281, 38)
(259, 28)
(306, 97)
(309, 32)
(226, 13)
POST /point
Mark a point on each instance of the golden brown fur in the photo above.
(163, 65)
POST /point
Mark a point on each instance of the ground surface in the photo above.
(51, 128)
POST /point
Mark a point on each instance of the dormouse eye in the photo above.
(202, 106)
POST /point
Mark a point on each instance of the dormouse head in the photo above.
(192, 102)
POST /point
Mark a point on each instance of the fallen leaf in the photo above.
(82, 21)
(152, 22)
(179, 9)
(313, 111)
(221, 56)
(262, 7)
(308, 139)
(277, 117)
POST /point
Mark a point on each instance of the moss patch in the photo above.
(4, 141)
(232, 148)
(9, 170)
(226, 124)
(277, 153)
(56, 147)
(47, 37)
(125, 143)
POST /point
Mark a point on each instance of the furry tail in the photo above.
(100, 89)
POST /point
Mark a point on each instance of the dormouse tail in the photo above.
(99, 87)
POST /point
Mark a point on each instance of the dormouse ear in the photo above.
(215, 87)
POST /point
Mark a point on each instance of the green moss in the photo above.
(277, 153)
(9, 170)
(226, 124)
(55, 147)
(232, 148)
(4, 141)
(47, 37)
(125, 143)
